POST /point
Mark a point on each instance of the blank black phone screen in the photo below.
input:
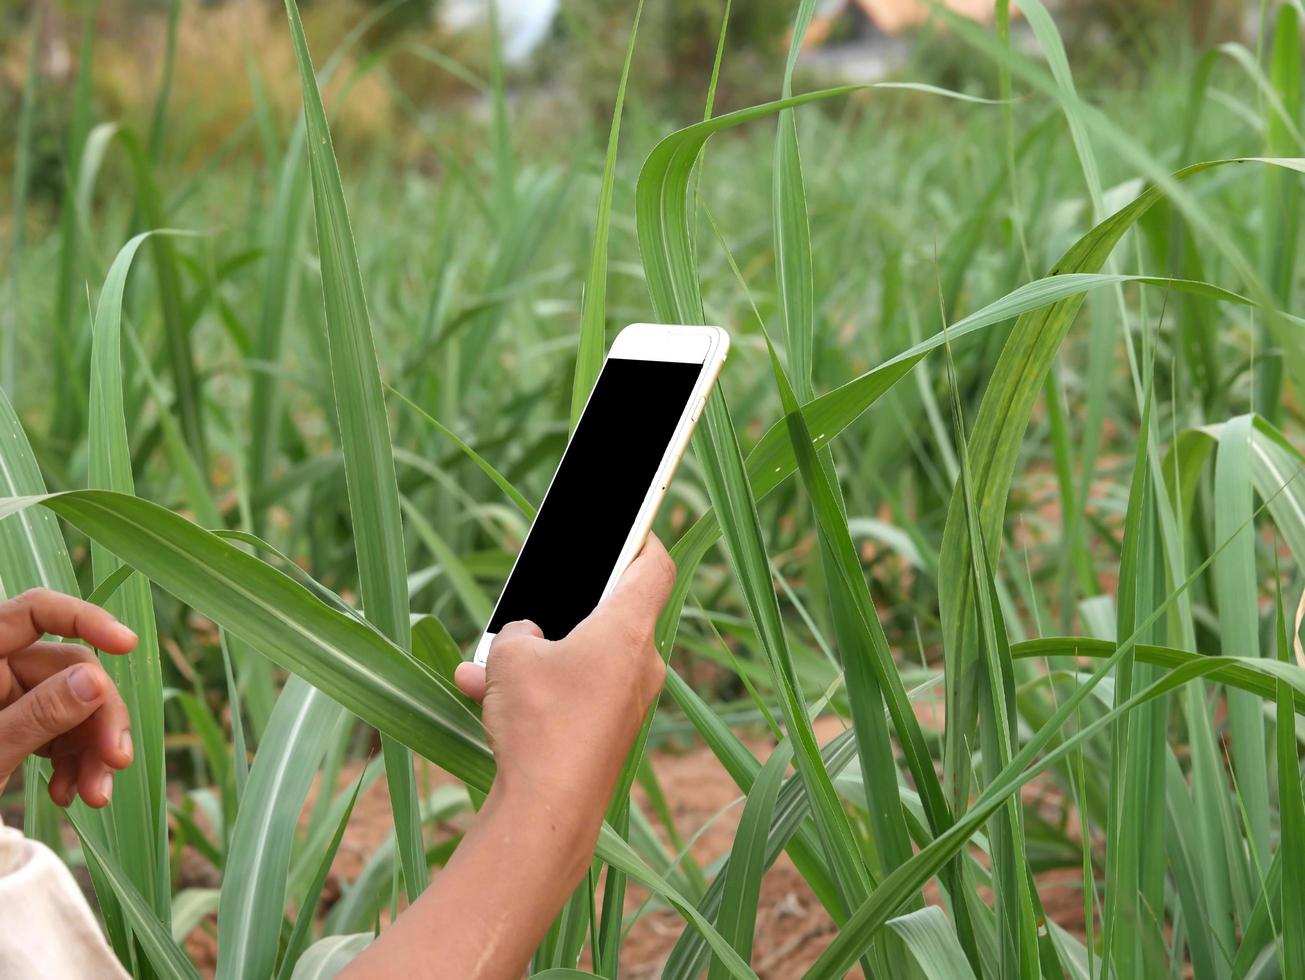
(605, 474)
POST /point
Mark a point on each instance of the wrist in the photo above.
(561, 826)
(560, 794)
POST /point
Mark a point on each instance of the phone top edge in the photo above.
(669, 342)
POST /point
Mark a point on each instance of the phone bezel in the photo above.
(647, 342)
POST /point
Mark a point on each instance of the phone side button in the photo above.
(697, 409)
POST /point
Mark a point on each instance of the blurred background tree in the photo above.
(436, 50)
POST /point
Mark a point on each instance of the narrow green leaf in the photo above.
(1261, 926)
(32, 554)
(1281, 191)
(593, 312)
(1291, 925)
(728, 486)
(932, 941)
(235, 709)
(1235, 581)
(1232, 674)
(9, 363)
(190, 907)
(473, 597)
(307, 912)
(158, 129)
(155, 938)
(258, 859)
(661, 207)
(791, 231)
(1134, 825)
(433, 646)
(737, 918)
(330, 956)
(500, 481)
(137, 816)
(872, 676)
(281, 237)
(364, 435)
(71, 401)
(1014, 902)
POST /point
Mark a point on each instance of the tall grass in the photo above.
(1038, 393)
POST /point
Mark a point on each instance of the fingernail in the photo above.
(127, 633)
(106, 786)
(124, 742)
(83, 684)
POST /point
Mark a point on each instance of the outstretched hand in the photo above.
(55, 698)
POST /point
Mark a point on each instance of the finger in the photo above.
(108, 730)
(63, 781)
(25, 619)
(44, 659)
(514, 638)
(57, 705)
(470, 679)
(646, 584)
(517, 635)
(94, 781)
(520, 627)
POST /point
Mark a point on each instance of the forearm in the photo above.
(487, 911)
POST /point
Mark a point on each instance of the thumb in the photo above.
(646, 584)
(470, 679)
(58, 704)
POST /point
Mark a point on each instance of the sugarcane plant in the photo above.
(1137, 650)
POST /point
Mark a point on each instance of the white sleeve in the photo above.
(46, 928)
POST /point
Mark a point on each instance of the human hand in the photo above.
(561, 718)
(562, 715)
(55, 698)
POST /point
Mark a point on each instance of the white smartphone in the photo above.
(614, 472)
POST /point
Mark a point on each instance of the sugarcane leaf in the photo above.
(135, 821)
(33, 554)
(328, 957)
(299, 936)
(166, 956)
(737, 918)
(1291, 848)
(593, 311)
(364, 435)
(258, 859)
(932, 941)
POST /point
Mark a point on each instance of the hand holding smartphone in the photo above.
(612, 478)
